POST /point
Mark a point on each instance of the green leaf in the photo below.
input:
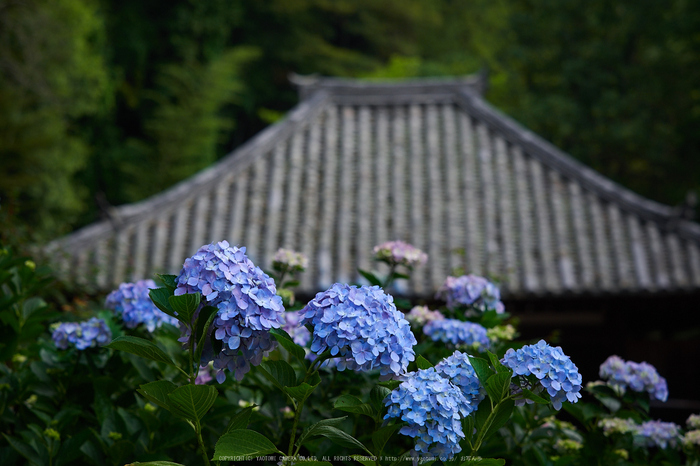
(170, 281)
(497, 364)
(481, 415)
(364, 460)
(279, 373)
(287, 343)
(300, 392)
(24, 449)
(502, 414)
(377, 397)
(157, 392)
(498, 386)
(160, 296)
(371, 278)
(381, 436)
(185, 305)
(390, 384)
(314, 379)
(482, 369)
(32, 305)
(613, 404)
(242, 442)
(423, 363)
(403, 304)
(401, 459)
(468, 427)
(339, 437)
(401, 275)
(240, 419)
(204, 319)
(192, 401)
(314, 463)
(291, 284)
(528, 394)
(352, 404)
(478, 461)
(155, 463)
(310, 431)
(141, 347)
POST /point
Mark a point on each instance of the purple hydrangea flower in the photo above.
(475, 293)
(458, 369)
(640, 377)
(295, 329)
(433, 408)
(132, 302)
(203, 375)
(247, 303)
(82, 335)
(457, 333)
(400, 253)
(362, 327)
(554, 370)
(421, 315)
(657, 434)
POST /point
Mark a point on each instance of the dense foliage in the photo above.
(104, 102)
(346, 379)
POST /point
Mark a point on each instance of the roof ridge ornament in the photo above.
(387, 87)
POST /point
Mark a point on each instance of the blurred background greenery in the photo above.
(105, 102)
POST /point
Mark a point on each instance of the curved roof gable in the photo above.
(426, 161)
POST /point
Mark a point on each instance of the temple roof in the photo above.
(427, 161)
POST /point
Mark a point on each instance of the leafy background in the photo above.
(105, 102)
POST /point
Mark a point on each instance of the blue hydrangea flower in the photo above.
(458, 370)
(132, 302)
(82, 335)
(640, 377)
(295, 329)
(657, 434)
(433, 408)
(554, 370)
(362, 327)
(457, 333)
(247, 303)
(475, 293)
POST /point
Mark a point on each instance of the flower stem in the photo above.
(203, 449)
(487, 424)
(297, 415)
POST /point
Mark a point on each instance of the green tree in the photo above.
(616, 84)
(51, 77)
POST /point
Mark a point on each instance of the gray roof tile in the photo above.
(425, 161)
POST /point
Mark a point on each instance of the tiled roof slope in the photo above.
(427, 161)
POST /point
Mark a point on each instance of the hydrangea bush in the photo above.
(473, 293)
(457, 333)
(433, 408)
(341, 375)
(553, 369)
(247, 303)
(362, 327)
(81, 335)
(132, 302)
(639, 377)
